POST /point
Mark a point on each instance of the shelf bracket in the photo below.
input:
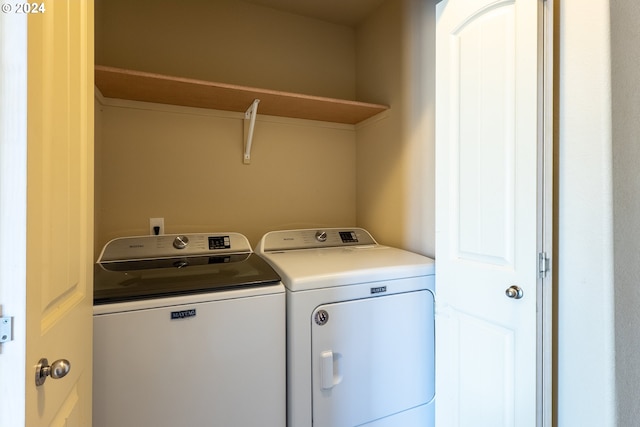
(250, 115)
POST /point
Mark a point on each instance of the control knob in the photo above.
(180, 242)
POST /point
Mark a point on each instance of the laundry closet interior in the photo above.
(185, 163)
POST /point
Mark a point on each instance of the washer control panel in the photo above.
(168, 245)
(314, 238)
(349, 237)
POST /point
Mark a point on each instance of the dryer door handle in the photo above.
(330, 371)
(326, 370)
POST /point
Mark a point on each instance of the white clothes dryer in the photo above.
(360, 329)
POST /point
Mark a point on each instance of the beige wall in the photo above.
(625, 63)
(228, 41)
(185, 165)
(395, 153)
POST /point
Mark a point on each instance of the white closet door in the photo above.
(488, 196)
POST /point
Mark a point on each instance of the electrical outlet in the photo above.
(156, 226)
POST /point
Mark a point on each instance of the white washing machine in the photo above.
(360, 329)
(189, 330)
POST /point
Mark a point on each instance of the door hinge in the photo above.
(543, 265)
(6, 329)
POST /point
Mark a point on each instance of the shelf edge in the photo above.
(150, 87)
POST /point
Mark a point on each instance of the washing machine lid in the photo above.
(150, 267)
(351, 257)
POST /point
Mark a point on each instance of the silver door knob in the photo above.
(514, 292)
(57, 369)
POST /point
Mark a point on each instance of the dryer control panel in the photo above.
(314, 238)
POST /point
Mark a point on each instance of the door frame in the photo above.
(13, 221)
(546, 218)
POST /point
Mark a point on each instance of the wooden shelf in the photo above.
(149, 87)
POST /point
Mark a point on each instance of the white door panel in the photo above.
(372, 358)
(488, 133)
(219, 368)
(483, 169)
(60, 210)
(492, 367)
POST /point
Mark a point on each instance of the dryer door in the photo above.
(372, 358)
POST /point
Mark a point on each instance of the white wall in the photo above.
(585, 365)
(625, 75)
